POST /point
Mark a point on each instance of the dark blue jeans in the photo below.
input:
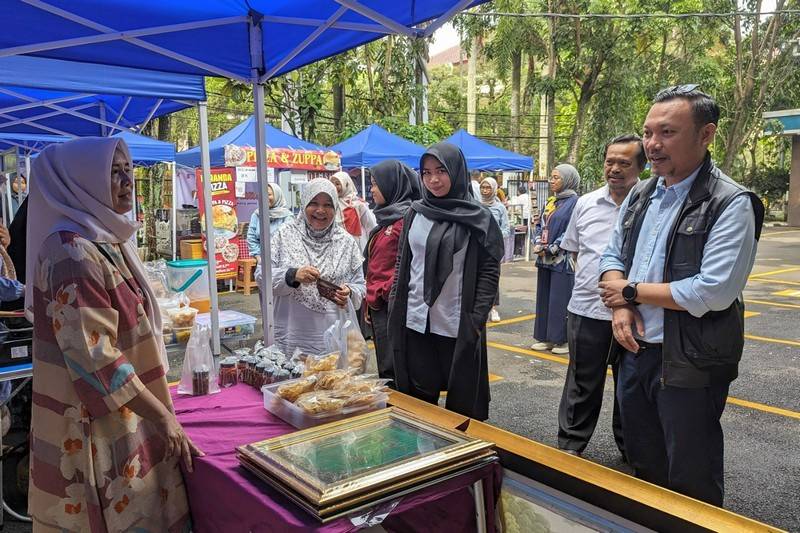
(673, 436)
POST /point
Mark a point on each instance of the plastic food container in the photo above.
(183, 317)
(297, 417)
(232, 324)
(190, 277)
(182, 334)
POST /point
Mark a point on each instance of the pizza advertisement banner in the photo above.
(226, 223)
(319, 160)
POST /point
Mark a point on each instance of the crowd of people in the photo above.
(644, 276)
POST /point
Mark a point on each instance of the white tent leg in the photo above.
(363, 185)
(28, 168)
(174, 216)
(265, 288)
(205, 161)
(8, 198)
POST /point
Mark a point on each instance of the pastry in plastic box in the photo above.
(356, 351)
(320, 402)
(291, 391)
(333, 379)
(183, 317)
(362, 399)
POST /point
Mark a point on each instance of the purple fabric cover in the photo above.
(223, 496)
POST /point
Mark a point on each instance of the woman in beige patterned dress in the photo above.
(105, 443)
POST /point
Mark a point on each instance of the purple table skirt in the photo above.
(223, 496)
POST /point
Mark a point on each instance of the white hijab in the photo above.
(71, 191)
(332, 251)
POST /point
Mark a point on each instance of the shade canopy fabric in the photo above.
(144, 150)
(243, 134)
(481, 155)
(212, 37)
(374, 144)
(45, 96)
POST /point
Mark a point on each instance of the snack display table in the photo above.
(225, 497)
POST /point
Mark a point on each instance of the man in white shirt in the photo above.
(589, 332)
(523, 198)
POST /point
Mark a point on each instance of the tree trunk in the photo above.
(472, 94)
(547, 135)
(163, 128)
(338, 105)
(516, 80)
(588, 88)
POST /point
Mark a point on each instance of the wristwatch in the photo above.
(629, 292)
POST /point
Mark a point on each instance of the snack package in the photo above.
(359, 385)
(320, 403)
(199, 374)
(291, 391)
(333, 379)
(345, 337)
(321, 363)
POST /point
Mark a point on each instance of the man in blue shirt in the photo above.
(673, 274)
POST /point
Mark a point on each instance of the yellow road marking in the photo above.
(768, 339)
(778, 233)
(494, 377)
(773, 272)
(775, 304)
(787, 292)
(748, 314)
(776, 281)
(522, 318)
(736, 401)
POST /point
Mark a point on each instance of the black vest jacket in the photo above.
(705, 350)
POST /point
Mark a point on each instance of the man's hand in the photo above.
(306, 274)
(611, 292)
(623, 322)
(5, 236)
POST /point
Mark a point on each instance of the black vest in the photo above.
(705, 350)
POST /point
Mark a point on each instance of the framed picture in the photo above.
(346, 463)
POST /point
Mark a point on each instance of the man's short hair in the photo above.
(475, 175)
(704, 108)
(628, 138)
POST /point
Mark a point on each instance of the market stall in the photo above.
(374, 144)
(481, 155)
(234, 184)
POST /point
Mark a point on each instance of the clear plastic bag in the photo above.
(199, 374)
(345, 337)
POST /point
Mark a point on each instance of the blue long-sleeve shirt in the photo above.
(728, 255)
(10, 290)
(254, 232)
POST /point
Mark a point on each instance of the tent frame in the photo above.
(258, 75)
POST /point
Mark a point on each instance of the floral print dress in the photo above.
(96, 466)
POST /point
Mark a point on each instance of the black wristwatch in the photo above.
(629, 292)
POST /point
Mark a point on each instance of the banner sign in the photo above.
(319, 160)
(226, 224)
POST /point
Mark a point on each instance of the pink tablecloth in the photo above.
(225, 497)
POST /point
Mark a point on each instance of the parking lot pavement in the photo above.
(761, 421)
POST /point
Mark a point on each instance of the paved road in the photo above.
(761, 421)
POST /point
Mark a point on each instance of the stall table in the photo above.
(224, 496)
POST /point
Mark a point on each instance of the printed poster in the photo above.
(226, 223)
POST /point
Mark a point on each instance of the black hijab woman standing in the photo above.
(394, 187)
(447, 277)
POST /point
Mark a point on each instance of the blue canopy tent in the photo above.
(250, 41)
(374, 144)
(481, 155)
(243, 134)
(144, 150)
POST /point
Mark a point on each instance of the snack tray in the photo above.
(297, 417)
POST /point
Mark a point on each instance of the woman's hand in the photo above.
(178, 443)
(341, 296)
(307, 274)
(5, 236)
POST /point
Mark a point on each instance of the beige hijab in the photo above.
(71, 191)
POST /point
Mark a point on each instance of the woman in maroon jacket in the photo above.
(394, 187)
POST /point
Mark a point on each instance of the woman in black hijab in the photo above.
(394, 187)
(447, 277)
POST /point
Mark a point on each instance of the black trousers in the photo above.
(673, 436)
(383, 348)
(429, 363)
(589, 342)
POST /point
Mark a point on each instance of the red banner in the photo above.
(226, 224)
(245, 156)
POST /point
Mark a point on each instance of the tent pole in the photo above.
(530, 218)
(363, 185)
(265, 289)
(174, 212)
(205, 161)
(28, 168)
(7, 205)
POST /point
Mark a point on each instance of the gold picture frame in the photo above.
(336, 467)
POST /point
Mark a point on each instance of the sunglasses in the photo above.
(678, 90)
